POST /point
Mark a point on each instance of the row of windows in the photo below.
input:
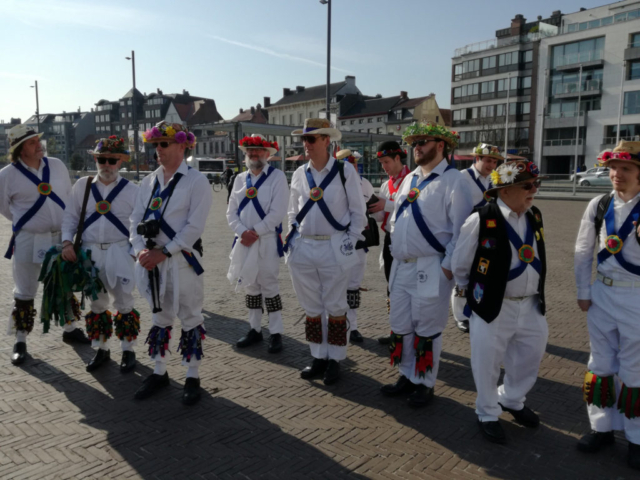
(490, 111)
(107, 106)
(151, 113)
(602, 22)
(494, 136)
(213, 148)
(488, 63)
(361, 121)
(103, 118)
(577, 52)
(492, 86)
(155, 101)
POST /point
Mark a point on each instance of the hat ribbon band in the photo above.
(19, 139)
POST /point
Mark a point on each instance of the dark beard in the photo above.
(428, 158)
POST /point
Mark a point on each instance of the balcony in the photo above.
(573, 61)
(564, 119)
(501, 42)
(562, 147)
(608, 143)
(589, 88)
(632, 52)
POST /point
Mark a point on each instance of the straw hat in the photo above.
(112, 147)
(258, 141)
(486, 150)
(346, 154)
(19, 134)
(172, 133)
(628, 152)
(419, 130)
(512, 173)
(318, 126)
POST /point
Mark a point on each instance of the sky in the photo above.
(237, 52)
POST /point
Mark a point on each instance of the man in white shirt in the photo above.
(166, 225)
(392, 159)
(612, 384)
(326, 218)
(356, 274)
(500, 262)
(106, 236)
(429, 211)
(34, 190)
(257, 205)
(478, 180)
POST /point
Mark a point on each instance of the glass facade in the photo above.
(577, 52)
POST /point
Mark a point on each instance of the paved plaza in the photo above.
(258, 419)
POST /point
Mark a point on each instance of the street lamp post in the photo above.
(133, 112)
(37, 105)
(328, 4)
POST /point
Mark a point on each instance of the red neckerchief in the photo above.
(394, 184)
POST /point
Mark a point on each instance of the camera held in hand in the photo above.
(149, 229)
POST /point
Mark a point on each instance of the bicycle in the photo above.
(216, 184)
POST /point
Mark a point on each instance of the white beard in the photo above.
(254, 164)
(107, 176)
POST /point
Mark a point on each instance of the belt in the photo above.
(317, 237)
(410, 260)
(518, 299)
(105, 246)
(610, 282)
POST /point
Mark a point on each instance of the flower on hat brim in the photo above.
(418, 129)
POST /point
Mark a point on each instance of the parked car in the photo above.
(591, 171)
(600, 178)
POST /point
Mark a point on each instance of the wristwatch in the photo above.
(460, 292)
(166, 252)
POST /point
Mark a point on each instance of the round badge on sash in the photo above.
(156, 203)
(316, 194)
(44, 188)
(251, 192)
(526, 254)
(486, 197)
(103, 207)
(613, 244)
(413, 195)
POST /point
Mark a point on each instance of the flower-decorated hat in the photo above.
(348, 156)
(418, 130)
(486, 150)
(19, 134)
(318, 126)
(258, 141)
(391, 149)
(512, 173)
(624, 151)
(112, 147)
(172, 133)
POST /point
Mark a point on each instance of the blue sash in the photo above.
(258, 207)
(515, 240)
(164, 226)
(321, 204)
(108, 214)
(45, 190)
(482, 202)
(626, 228)
(417, 214)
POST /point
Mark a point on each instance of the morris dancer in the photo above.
(612, 384)
(326, 215)
(257, 206)
(106, 237)
(167, 221)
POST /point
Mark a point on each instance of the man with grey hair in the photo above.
(257, 205)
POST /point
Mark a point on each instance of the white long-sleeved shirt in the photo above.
(389, 198)
(472, 191)
(586, 242)
(186, 212)
(102, 230)
(443, 208)
(273, 196)
(523, 286)
(346, 203)
(18, 194)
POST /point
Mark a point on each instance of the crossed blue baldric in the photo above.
(482, 202)
(625, 229)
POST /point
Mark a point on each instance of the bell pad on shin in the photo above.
(254, 301)
(313, 329)
(337, 331)
(353, 298)
(273, 304)
(23, 315)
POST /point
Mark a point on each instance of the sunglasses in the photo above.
(162, 144)
(529, 186)
(310, 139)
(421, 143)
(112, 161)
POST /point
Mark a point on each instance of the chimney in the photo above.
(267, 102)
(516, 25)
(253, 110)
(258, 107)
(351, 80)
(286, 91)
(159, 92)
(556, 13)
(403, 95)
(299, 89)
(241, 110)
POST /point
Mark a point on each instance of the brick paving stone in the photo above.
(258, 419)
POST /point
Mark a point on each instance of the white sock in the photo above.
(192, 372)
(70, 327)
(21, 336)
(160, 368)
(127, 346)
(104, 344)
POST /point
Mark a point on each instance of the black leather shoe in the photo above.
(593, 441)
(275, 343)
(76, 336)
(191, 394)
(355, 336)
(492, 431)
(19, 353)
(249, 339)
(101, 357)
(421, 397)
(384, 340)
(402, 386)
(463, 326)
(332, 373)
(128, 362)
(633, 459)
(151, 385)
(525, 417)
(316, 369)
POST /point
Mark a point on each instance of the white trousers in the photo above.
(321, 287)
(266, 284)
(457, 307)
(356, 275)
(413, 315)
(518, 338)
(614, 333)
(190, 300)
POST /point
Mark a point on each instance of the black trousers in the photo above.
(387, 258)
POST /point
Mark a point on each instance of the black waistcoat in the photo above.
(490, 268)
